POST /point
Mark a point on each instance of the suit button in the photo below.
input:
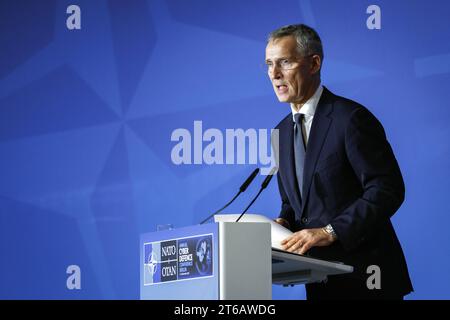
(304, 220)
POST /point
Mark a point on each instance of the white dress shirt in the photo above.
(308, 110)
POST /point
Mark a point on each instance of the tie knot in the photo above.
(298, 118)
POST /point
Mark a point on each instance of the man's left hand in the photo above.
(303, 240)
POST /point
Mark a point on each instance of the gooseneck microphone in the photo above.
(241, 189)
(263, 186)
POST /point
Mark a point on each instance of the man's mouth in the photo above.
(282, 88)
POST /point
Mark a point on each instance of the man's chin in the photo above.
(283, 98)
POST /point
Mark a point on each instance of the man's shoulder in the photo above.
(342, 105)
(345, 109)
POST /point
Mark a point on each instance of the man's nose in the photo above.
(276, 72)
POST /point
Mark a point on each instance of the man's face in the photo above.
(289, 85)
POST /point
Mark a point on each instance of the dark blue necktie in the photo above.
(299, 151)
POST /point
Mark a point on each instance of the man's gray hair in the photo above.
(308, 40)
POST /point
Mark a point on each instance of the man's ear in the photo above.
(316, 63)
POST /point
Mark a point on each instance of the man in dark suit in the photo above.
(338, 178)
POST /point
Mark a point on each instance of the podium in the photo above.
(222, 261)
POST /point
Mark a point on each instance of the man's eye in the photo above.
(285, 62)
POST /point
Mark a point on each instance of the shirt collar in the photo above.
(310, 106)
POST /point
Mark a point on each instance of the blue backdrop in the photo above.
(86, 118)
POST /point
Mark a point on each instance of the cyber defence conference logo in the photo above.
(179, 259)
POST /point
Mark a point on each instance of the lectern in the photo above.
(225, 260)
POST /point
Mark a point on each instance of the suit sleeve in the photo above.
(374, 163)
(286, 212)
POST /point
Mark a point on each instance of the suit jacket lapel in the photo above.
(319, 130)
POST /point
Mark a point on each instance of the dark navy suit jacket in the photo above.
(352, 181)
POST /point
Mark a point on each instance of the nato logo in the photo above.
(152, 263)
(203, 261)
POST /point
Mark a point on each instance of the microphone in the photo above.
(263, 186)
(241, 189)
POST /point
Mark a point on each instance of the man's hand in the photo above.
(301, 241)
